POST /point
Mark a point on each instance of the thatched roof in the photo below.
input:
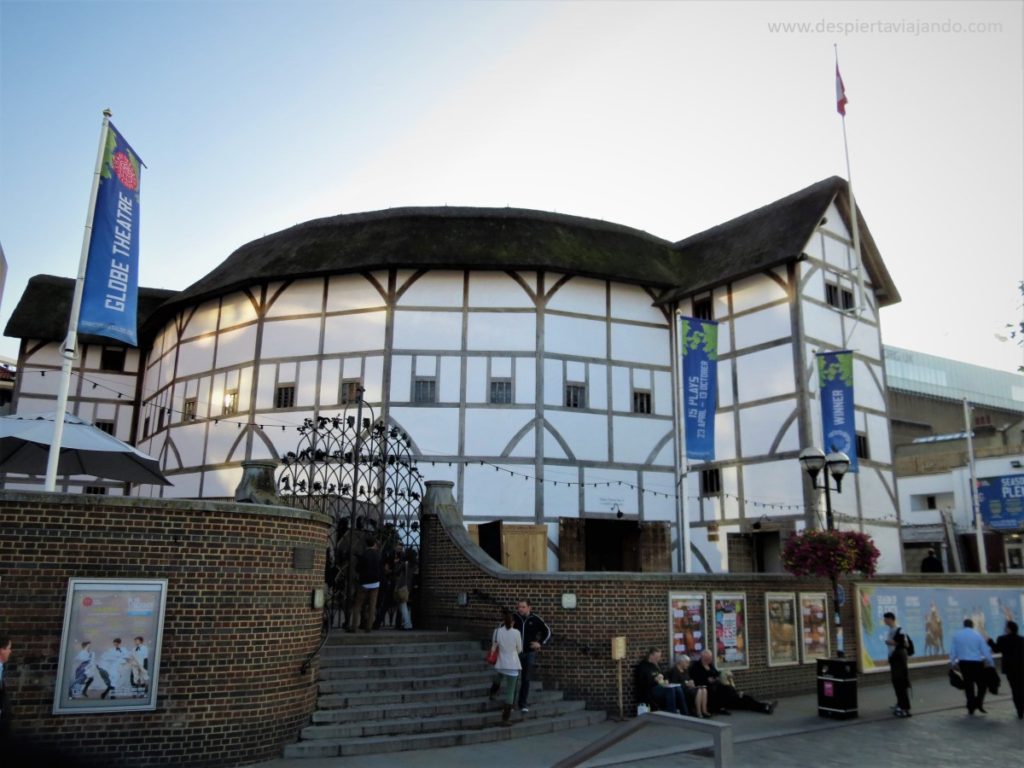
(770, 236)
(491, 239)
(43, 310)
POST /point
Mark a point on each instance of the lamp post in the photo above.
(835, 464)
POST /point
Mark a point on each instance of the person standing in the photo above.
(931, 563)
(535, 634)
(508, 641)
(898, 664)
(403, 588)
(5, 702)
(968, 652)
(1011, 645)
(369, 572)
(111, 666)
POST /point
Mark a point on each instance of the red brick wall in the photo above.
(237, 627)
(631, 604)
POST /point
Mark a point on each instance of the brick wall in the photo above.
(237, 627)
(610, 604)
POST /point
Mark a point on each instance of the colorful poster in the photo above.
(780, 619)
(687, 624)
(1001, 501)
(930, 615)
(814, 626)
(109, 298)
(699, 342)
(835, 380)
(731, 631)
(110, 647)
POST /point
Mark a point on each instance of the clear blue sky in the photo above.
(668, 117)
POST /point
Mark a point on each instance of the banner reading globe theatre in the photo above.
(699, 349)
(109, 297)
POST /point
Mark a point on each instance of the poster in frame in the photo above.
(730, 616)
(687, 624)
(781, 626)
(110, 646)
(814, 639)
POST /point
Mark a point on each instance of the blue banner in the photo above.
(835, 380)
(1001, 500)
(109, 298)
(699, 342)
(930, 615)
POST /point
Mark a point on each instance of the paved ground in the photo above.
(939, 734)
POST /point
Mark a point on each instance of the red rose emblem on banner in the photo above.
(125, 171)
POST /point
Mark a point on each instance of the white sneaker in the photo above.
(524, 709)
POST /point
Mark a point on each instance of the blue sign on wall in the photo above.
(699, 342)
(1001, 500)
(835, 379)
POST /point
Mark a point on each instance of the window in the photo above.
(862, 446)
(350, 390)
(105, 426)
(641, 401)
(703, 308)
(96, 490)
(710, 482)
(501, 391)
(930, 503)
(112, 359)
(575, 396)
(840, 298)
(145, 427)
(188, 412)
(425, 391)
(284, 396)
(230, 402)
(160, 413)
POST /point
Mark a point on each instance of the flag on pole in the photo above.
(699, 342)
(110, 294)
(840, 93)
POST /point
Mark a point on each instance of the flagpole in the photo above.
(853, 203)
(71, 341)
(682, 515)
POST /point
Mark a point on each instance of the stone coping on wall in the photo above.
(177, 505)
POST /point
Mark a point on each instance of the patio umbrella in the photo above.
(84, 450)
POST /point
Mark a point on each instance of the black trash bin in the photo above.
(837, 688)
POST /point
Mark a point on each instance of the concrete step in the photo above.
(489, 732)
(429, 724)
(407, 669)
(383, 637)
(433, 707)
(364, 649)
(410, 695)
(342, 658)
(423, 680)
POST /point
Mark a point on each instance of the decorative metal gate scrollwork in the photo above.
(360, 472)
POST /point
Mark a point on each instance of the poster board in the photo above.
(687, 624)
(781, 626)
(929, 615)
(730, 616)
(814, 626)
(110, 646)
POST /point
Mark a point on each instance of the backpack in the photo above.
(908, 644)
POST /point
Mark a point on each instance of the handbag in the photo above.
(492, 656)
(992, 680)
(956, 679)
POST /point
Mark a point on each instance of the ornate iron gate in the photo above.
(360, 472)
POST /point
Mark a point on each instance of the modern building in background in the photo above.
(926, 395)
(530, 357)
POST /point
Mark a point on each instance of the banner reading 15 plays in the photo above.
(699, 349)
(109, 298)
(835, 379)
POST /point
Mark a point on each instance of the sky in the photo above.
(670, 117)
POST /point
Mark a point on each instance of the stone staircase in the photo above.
(396, 691)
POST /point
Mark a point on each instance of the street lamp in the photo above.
(813, 460)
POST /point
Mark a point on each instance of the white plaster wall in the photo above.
(888, 542)
(662, 405)
(636, 436)
(761, 425)
(434, 289)
(622, 392)
(373, 381)
(725, 373)
(477, 387)
(864, 337)
(238, 346)
(838, 252)
(348, 292)
(356, 332)
(512, 331)
(203, 320)
(640, 344)
(221, 483)
(303, 297)
(306, 388)
(597, 386)
(580, 295)
(524, 389)
(330, 380)
(436, 430)
(756, 291)
(768, 324)
(237, 309)
(560, 500)
(867, 385)
(489, 430)
(574, 336)
(585, 433)
(631, 302)
(496, 289)
(401, 379)
(554, 393)
(497, 494)
(449, 379)
(822, 324)
(767, 373)
(725, 437)
(193, 357)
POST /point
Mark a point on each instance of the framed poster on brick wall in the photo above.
(814, 626)
(781, 624)
(110, 646)
(687, 624)
(731, 646)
